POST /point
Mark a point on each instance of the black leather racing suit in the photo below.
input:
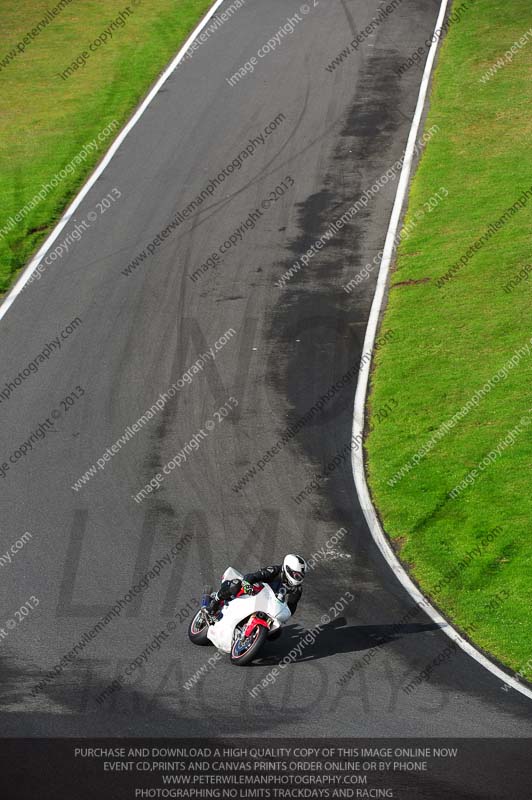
(271, 575)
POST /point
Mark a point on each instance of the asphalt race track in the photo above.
(323, 137)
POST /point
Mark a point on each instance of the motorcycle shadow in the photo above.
(334, 638)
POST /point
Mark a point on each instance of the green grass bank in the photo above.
(49, 114)
(449, 465)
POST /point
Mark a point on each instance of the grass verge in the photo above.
(46, 119)
(460, 304)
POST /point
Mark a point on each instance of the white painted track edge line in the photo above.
(91, 180)
(357, 456)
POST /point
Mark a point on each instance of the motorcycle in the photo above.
(243, 624)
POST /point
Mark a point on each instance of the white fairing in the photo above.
(239, 609)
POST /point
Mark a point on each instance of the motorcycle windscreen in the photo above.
(231, 574)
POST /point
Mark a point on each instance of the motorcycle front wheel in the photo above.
(245, 650)
(198, 629)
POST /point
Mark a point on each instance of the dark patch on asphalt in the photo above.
(312, 307)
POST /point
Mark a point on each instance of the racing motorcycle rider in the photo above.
(285, 579)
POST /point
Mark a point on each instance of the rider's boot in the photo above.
(211, 603)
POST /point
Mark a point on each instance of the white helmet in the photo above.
(294, 568)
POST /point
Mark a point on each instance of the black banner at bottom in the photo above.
(252, 769)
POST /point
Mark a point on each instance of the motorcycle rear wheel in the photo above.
(198, 629)
(258, 637)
